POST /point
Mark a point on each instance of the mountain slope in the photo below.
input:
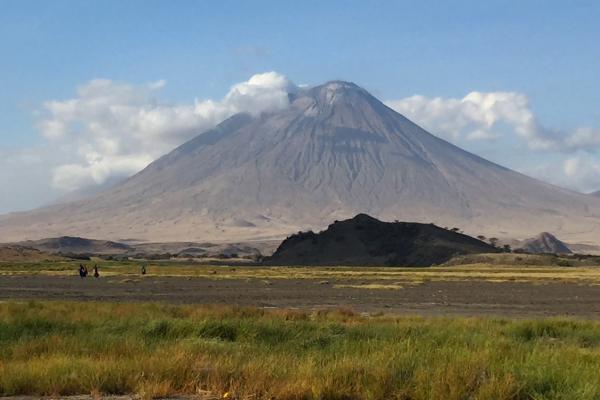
(364, 240)
(336, 151)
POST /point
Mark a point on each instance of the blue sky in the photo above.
(545, 50)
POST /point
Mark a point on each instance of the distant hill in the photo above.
(16, 253)
(206, 249)
(597, 194)
(364, 240)
(77, 245)
(545, 243)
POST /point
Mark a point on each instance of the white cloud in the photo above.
(579, 172)
(268, 91)
(486, 116)
(564, 158)
(584, 139)
(583, 171)
(474, 116)
(115, 129)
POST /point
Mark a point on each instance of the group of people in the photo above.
(83, 271)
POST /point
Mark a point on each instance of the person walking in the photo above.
(96, 274)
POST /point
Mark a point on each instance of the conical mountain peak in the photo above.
(336, 91)
(340, 86)
(336, 151)
(341, 103)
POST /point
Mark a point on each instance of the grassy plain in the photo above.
(156, 350)
(589, 275)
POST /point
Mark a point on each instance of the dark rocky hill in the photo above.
(364, 240)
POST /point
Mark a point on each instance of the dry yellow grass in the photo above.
(372, 286)
(400, 276)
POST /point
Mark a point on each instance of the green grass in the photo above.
(154, 350)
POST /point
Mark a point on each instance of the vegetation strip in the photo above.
(156, 350)
(120, 270)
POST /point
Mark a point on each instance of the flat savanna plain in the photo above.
(250, 332)
(478, 289)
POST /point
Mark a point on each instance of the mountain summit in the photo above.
(336, 151)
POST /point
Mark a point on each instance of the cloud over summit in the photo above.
(115, 129)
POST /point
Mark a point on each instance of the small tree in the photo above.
(481, 237)
(493, 241)
(507, 248)
(455, 229)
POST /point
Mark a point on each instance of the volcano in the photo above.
(335, 152)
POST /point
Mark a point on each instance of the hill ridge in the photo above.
(364, 241)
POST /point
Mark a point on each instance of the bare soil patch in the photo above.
(468, 297)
